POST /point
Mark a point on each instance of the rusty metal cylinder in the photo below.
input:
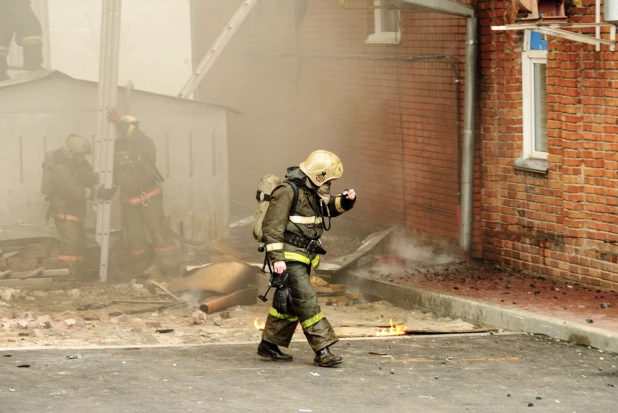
(247, 296)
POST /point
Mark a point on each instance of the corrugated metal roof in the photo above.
(20, 77)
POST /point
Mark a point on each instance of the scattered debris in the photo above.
(140, 302)
(8, 293)
(589, 321)
(23, 366)
(199, 317)
(165, 331)
(156, 284)
(606, 305)
(73, 356)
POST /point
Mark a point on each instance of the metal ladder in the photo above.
(217, 48)
(107, 97)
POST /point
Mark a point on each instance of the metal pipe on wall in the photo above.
(467, 169)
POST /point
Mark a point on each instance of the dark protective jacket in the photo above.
(17, 17)
(307, 221)
(134, 163)
(73, 185)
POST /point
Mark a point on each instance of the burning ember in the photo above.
(257, 324)
(394, 330)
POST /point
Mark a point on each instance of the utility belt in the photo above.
(312, 246)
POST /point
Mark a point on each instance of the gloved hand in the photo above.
(282, 301)
(106, 193)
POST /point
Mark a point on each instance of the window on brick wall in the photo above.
(534, 95)
(386, 23)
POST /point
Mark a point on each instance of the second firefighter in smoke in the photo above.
(141, 198)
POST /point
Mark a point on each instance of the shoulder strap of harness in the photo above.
(295, 199)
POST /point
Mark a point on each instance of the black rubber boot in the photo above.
(324, 358)
(3, 68)
(33, 57)
(271, 351)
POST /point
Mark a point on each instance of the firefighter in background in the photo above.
(68, 184)
(293, 246)
(17, 18)
(141, 198)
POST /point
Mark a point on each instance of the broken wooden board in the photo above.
(371, 331)
(30, 281)
(331, 289)
(341, 299)
(33, 274)
(317, 281)
(367, 245)
(343, 332)
(43, 273)
(379, 324)
(11, 254)
(5, 274)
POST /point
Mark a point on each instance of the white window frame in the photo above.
(380, 36)
(529, 59)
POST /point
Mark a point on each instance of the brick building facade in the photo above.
(389, 108)
(393, 110)
(562, 221)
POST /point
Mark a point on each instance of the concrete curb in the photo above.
(446, 305)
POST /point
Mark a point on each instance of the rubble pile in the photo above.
(34, 263)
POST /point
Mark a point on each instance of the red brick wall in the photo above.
(565, 223)
(393, 122)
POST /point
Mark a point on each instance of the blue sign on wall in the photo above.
(537, 42)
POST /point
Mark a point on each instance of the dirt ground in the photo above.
(74, 318)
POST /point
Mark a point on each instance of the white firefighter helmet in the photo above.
(321, 167)
(75, 144)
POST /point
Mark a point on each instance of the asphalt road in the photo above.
(495, 373)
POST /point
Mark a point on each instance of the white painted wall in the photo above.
(155, 50)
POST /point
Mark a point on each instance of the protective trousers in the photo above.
(17, 18)
(72, 236)
(148, 215)
(280, 328)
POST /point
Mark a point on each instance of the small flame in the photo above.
(257, 324)
(394, 330)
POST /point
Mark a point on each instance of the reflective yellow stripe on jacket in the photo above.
(294, 256)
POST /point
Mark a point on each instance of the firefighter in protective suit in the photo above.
(293, 246)
(17, 18)
(71, 185)
(141, 197)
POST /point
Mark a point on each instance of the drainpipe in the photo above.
(455, 8)
(467, 168)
